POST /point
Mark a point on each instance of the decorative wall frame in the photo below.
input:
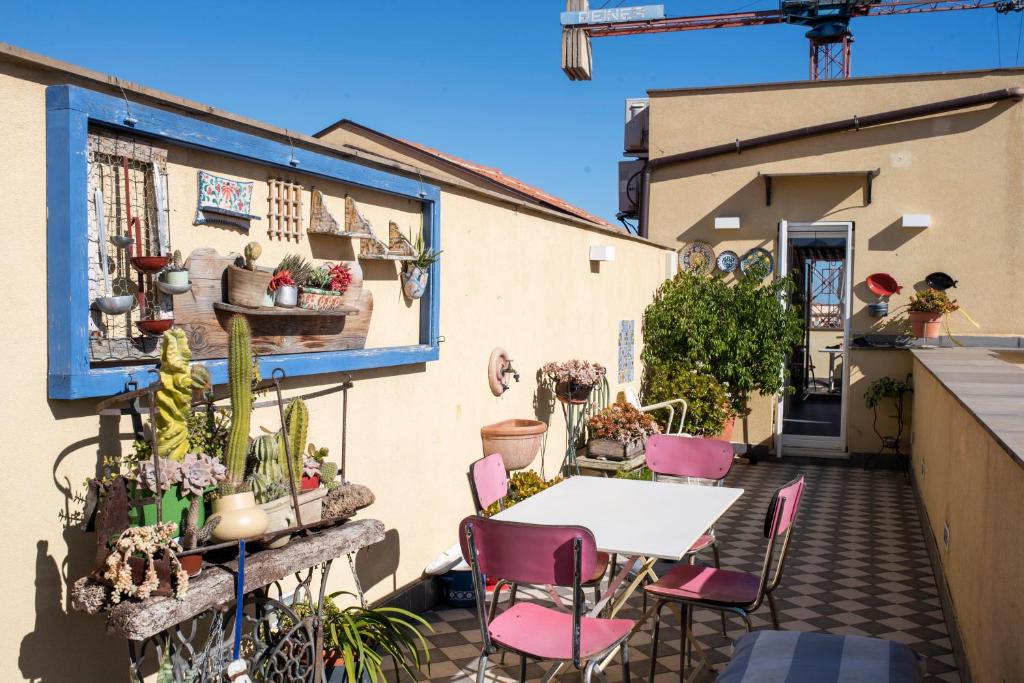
(70, 110)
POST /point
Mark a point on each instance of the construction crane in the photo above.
(827, 21)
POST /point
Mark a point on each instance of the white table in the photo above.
(642, 520)
(833, 354)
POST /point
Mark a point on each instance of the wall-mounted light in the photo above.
(917, 220)
(602, 252)
(671, 264)
(727, 222)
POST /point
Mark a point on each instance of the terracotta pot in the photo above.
(247, 287)
(310, 483)
(280, 515)
(726, 433)
(518, 441)
(193, 564)
(239, 517)
(571, 392)
(925, 325)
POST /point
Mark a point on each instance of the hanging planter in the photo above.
(415, 273)
(573, 380)
(884, 286)
(155, 328)
(414, 282)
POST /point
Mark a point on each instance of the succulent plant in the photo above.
(328, 474)
(175, 264)
(252, 252)
(174, 399)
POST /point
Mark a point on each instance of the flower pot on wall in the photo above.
(925, 325)
(247, 287)
(414, 282)
(239, 517)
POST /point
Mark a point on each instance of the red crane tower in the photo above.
(827, 23)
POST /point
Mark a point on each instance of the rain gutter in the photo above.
(854, 123)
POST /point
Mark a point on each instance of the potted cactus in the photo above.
(292, 270)
(415, 272)
(323, 287)
(174, 278)
(248, 286)
(236, 506)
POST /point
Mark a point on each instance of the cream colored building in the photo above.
(516, 273)
(961, 168)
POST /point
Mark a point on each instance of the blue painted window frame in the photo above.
(69, 112)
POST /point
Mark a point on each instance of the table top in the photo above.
(828, 350)
(629, 517)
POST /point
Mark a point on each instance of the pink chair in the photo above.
(726, 590)
(540, 554)
(489, 482)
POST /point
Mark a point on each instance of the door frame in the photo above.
(822, 445)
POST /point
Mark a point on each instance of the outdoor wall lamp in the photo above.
(727, 222)
(917, 220)
(602, 252)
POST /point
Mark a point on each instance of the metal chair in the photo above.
(489, 483)
(540, 554)
(726, 590)
(670, 406)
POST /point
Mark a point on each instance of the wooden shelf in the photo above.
(279, 311)
(356, 235)
(385, 257)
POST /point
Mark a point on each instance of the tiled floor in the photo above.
(858, 565)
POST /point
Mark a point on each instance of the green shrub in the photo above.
(522, 485)
(707, 400)
(741, 334)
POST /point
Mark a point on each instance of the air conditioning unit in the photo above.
(637, 127)
(630, 180)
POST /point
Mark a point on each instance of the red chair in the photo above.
(731, 591)
(489, 482)
(540, 554)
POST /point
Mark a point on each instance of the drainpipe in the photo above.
(854, 123)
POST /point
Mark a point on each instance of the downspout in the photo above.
(854, 123)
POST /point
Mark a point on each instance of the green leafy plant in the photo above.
(298, 267)
(424, 257)
(623, 423)
(639, 474)
(740, 334)
(522, 485)
(708, 405)
(361, 637)
(933, 301)
(885, 387)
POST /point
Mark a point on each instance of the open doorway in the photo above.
(813, 415)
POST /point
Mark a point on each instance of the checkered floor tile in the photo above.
(858, 565)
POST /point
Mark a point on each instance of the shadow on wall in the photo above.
(377, 563)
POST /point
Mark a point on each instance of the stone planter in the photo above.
(311, 505)
(925, 325)
(247, 287)
(610, 449)
(517, 441)
(280, 515)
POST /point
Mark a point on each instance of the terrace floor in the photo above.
(858, 565)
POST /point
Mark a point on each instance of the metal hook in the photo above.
(129, 120)
(293, 162)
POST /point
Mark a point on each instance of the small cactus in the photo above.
(174, 400)
(296, 416)
(253, 250)
(328, 473)
(240, 378)
(201, 379)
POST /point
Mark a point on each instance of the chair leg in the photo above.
(685, 646)
(588, 672)
(773, 610)
(718, 565)
(625, 661)
(654, 640)
(481, 668)
(597, 593)
(522, 669)
(746, 620)
(511, 603)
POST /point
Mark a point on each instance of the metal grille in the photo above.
(123, 173)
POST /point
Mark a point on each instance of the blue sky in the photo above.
(478, 80)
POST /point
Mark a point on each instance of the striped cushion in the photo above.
(794, 657)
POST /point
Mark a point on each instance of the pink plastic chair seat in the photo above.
(600, 568)
(701, 543)
(546, 633)
(707, 584)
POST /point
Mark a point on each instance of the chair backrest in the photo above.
(688, 456)
(489, 480)
(779, 521)
(527, 553)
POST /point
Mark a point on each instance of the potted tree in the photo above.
(619, 431)
(927, 309)
(415, 272)
(574, 379)
(248, 286)
(709, 411)
(740, 334)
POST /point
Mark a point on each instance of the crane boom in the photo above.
(827, 20)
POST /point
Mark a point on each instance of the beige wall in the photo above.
(966, 479)
(963, 168)
(511, 278)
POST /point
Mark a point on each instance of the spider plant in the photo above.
(361, 637)
(425, 256)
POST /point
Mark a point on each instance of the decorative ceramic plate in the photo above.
(727, 261)
(754, 257)
(697, 257)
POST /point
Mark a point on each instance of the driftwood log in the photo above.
(216, 585)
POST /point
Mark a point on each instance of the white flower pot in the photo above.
(176, 278)
(286, 296)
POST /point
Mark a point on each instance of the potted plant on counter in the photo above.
(574, 379)
(324, 286)
(927, 309)
(619, 431)
(416, 272)
(292, 270)
(248, 286)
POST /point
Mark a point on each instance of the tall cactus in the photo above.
(296, 416)
(240, 378)
(174, 400)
